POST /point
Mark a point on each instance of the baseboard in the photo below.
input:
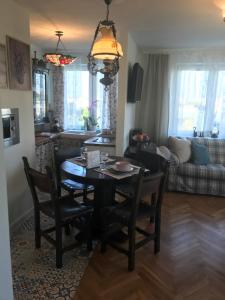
(19, 221)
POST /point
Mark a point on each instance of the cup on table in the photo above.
(83, 151)
(103, 159)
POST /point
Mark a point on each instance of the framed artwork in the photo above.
(3, 67)
(19, 65)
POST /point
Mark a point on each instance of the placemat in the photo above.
(116, 174)
(82, 162)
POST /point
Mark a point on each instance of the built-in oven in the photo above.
(10, 124)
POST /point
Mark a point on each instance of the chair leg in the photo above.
(103, 246)
(37, 229)
(67, 229)
(153, 202)
(85, 194)
(157, 233)
(131, 254)
(89, 233)
(58, 247)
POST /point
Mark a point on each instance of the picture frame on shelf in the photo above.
(19, 64)
(3, 68)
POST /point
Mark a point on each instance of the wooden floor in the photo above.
(190, 266)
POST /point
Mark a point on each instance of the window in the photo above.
(83, 98)
(197, 100)
(39, 96)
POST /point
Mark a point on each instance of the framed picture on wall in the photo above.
(3, 67)
(19, 64)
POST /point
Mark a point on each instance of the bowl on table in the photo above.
(122, 166)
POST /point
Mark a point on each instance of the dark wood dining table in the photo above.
(104, 185)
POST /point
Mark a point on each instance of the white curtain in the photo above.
(82, 93)
(154, 114)
(107, 105)
(76, 95)
(197, 92)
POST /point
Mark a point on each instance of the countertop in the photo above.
(101, 141)
(44, 137)
(78, 135)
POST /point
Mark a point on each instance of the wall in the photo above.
(14, 21)
(126, 112)
(5, 261)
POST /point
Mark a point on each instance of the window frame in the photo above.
(44, 72)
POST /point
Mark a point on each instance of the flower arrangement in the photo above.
(90, 122)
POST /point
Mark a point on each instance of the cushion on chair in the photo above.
(200, 154)
(68, 184)
(69, 208)
(117, 214)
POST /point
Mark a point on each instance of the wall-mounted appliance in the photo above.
(135, 81)
(10, 124)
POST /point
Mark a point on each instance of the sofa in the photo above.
(196, 178)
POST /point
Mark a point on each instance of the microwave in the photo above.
(10, 125)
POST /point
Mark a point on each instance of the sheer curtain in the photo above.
(155, 111)
(197, 92)
(84, 95)
(76, 96)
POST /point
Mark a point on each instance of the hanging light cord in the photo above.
(59, 41)
(107, 12)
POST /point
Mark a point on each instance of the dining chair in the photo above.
(154, 163)
(63, 210)
(124, 215)
(72, 187)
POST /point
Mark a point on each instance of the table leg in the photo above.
(104, 195)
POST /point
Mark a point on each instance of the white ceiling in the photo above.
(153, 23)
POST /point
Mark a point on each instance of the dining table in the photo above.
(104, 185)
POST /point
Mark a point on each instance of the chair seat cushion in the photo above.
(68, 184)
(211, 171)
(117, 214)
(126, 190)
(69, 208)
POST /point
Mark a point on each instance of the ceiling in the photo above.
(152, 23)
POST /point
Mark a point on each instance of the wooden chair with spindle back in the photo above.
(63, 210)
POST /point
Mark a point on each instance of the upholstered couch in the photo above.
(201, 179)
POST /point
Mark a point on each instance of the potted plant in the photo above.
(90, 122)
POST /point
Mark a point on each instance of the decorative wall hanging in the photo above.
(19, 64)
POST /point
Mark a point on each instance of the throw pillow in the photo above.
(181, 148)
(200, 154)
(164, 152)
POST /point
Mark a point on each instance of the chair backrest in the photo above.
(153, 183)
(135, 201)
(43, 182)
(60, 155)
(152, 161)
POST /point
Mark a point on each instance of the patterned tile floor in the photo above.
(34, 273)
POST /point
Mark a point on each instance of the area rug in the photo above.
(34, 273)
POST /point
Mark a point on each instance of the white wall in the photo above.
(5, 260)
(14, 21)
(126, 113)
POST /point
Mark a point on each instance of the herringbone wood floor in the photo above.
(190, 265)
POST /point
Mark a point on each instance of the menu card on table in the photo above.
(92, 159)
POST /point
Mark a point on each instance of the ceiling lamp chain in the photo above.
(59, 59)
(105, 50)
